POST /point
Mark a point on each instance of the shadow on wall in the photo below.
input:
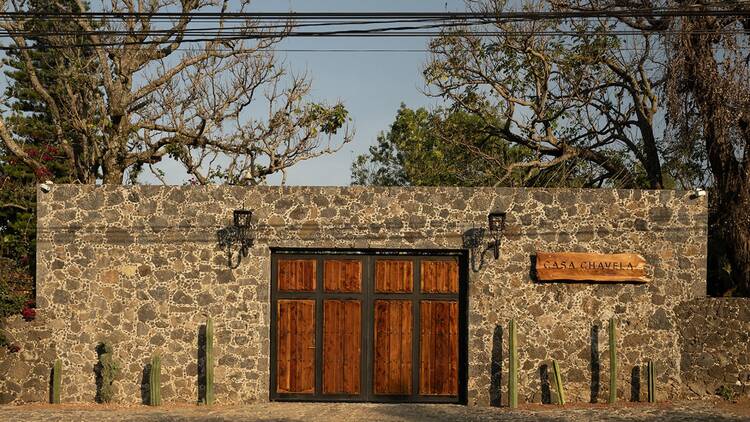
(145, 385)
(51, 383)
(496, 371)
(595, 364)
(635, 384)
(496, 367)
(98, 373)
(544, 381)
(201, 378)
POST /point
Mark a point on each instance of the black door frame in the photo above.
(368, 297)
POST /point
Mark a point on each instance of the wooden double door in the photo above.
(368, 327)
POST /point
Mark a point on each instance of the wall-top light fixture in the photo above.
(239, 233)
(496, 220)
(474, 239)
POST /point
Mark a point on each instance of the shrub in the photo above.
(107, 371)
(28, 312)
(10, 303)
(725, 393)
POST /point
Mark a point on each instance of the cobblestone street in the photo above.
(682, 411)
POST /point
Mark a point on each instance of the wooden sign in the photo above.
(583, 266)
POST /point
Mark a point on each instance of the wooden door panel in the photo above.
(438, 355)
(295, 355)
(393, 347)
(296, 275)
(342, 275)
(341, 346)
(392, 276)
(439, 276)
(365, 327)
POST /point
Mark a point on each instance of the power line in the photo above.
(429, 24)
(729, 10)
(224, 37)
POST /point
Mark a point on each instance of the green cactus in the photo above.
(512, 365)
(209, 361)
(56, 381)
(612, 360)
(154, 381)
(558, 383)
(107, 371)
(651, 382)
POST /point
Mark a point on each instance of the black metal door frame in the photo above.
(367, 296)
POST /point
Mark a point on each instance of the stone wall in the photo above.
(715, 337)
(140, 267)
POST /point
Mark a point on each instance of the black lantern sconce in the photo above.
(496, 222)
(474, 239)
(239, 233)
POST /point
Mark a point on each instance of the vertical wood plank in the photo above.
(296, 275)
(282, 355)
(342, 275)
(295, 346)
(329, 347)
(306, 320)
(439, 276)
(438, 366)
(393, 347)
(393, 276)
(342, 346)
(453, 331)
(352, 347)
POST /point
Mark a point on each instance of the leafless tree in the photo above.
(220, 103)
(708, 103)
(571, 100)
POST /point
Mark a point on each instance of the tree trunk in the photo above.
(113, 175)
(737, 235)
(707, 84)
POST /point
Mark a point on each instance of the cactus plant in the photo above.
(651, 382)
(56, 381)
(209, 361)
(107, 371)
(512, 365)
(154, 381)
(612, 360)
(558, 383)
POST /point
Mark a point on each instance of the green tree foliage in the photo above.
(453, 148)
(420, 149)
(30, 121)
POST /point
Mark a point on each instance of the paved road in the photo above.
(684, 411)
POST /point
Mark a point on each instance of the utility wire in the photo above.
(729, 10)
(460, 23)
(219, 37)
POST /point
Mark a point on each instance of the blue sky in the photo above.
(372, 85)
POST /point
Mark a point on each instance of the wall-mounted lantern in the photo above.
(474, 239)
(496, 220)
(239, 233)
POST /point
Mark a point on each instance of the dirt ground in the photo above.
(702, 410)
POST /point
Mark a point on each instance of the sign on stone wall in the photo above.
(584, 266)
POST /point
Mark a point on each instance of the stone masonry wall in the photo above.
(140, 267)
(715, 337)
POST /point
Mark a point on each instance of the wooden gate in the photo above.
(387, 326)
